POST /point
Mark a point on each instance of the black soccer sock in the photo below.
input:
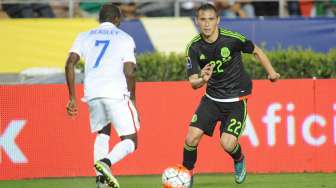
(236, 153)
(107, 161)
(189, 156)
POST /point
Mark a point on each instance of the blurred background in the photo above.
(157, 26)
(160, 8)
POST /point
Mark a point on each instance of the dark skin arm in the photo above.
(129, 71)
(72, 60)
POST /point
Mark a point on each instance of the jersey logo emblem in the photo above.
(189, 65)
(202, 57)
(225, 52)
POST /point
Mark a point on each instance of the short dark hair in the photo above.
(207, 6)
(109, 13)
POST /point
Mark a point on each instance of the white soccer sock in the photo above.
(121, 150)
(100, 148)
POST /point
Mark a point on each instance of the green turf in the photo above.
(305, 180)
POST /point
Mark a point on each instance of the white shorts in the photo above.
(120, 112)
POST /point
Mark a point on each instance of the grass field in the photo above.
(305, 180)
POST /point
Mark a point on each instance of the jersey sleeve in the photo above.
(247, 46)
(129, 54)
(192, 63)
(77, 45)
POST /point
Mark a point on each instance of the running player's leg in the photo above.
(194, 136)
(126, 146)
(125, 121)
(233, 148)
(231, 129)
(101, 149)
(99, 124)
(203, 122)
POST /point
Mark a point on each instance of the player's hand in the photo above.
(72, 108)
(206, 72)
(273, 77)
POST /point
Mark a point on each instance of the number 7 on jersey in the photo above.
(105, 43)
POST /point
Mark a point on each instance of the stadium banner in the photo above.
(273, 34)
(291, 127)
(50, 44)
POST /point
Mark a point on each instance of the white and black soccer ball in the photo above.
(176, 177)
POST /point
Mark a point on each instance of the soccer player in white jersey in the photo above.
(109, 90)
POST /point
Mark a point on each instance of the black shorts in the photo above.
(232, 116)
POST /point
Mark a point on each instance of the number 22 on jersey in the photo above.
(105, 44)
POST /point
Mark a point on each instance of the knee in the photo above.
(192, 140)
(228, 144)
(105, 130)
(133, 138)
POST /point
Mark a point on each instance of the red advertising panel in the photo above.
(291, 127)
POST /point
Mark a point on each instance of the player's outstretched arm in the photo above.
(261, 56)
(197, 81)
(129, 71)
(70, 79)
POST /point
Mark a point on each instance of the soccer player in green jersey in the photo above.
(214, 59)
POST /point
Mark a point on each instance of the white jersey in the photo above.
(105, 50)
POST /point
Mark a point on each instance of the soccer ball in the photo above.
(176, 177)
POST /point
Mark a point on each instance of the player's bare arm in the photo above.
(261, 56)
(70, 79)
(129, 71)
(197, 81)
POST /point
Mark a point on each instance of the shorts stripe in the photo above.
(245, 115)
(132, 116)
